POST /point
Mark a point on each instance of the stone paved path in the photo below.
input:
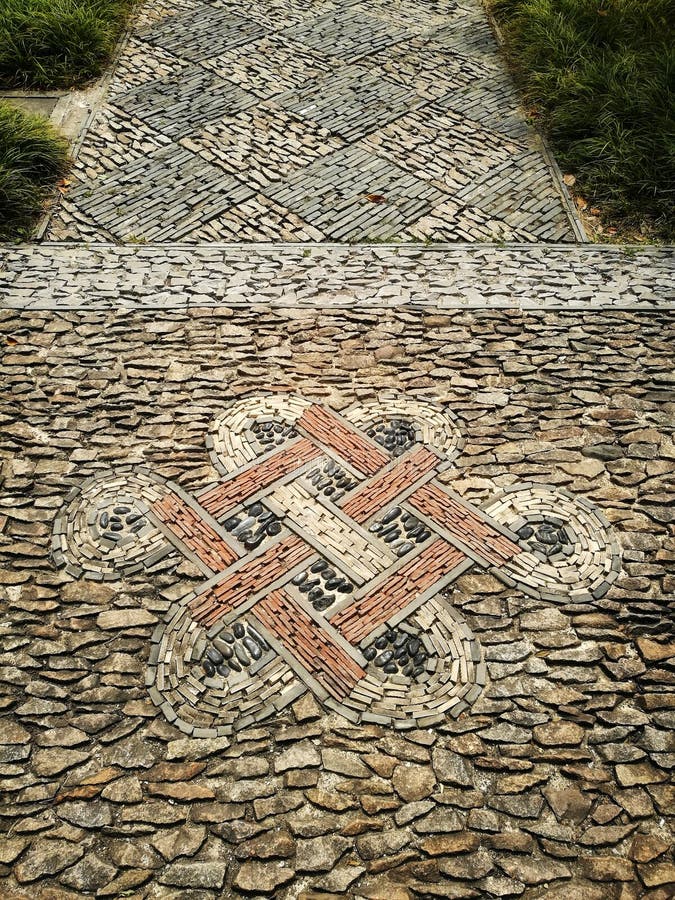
(331, 570)
(592, 277)
(311, 120)
(555, 785)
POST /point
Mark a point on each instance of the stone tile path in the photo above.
(313, 121)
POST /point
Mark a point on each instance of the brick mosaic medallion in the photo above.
(326, 545)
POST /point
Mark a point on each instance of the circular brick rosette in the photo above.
(250, 426)
(569, 548)
(402, 421)
(105, 529)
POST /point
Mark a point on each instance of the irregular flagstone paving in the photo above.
(102, 276)
(556, 783)
(312, 121)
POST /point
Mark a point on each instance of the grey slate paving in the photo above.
(203, 31)
(217, 79)
(138, 200)
(351, 191)
(349, 33)
(352, 104)
(178, 107)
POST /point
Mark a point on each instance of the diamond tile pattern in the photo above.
(353, 193)
(442, 147)
(492, 102)
(202, 32)
(140, 200)
(351, 104)
(262, 144)
(277, 121)
(349, 33)
(177, 107)
(272, 66)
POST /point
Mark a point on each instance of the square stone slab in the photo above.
(177, 107)
(522, 193)
(430, 71)
(353, 194)
(163, 196)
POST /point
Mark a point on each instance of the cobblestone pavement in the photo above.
(103, 276)
(312, 121)
(364, 602)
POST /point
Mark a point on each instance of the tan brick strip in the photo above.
(310, 644)
(252, 577)
(460, 520)
(224, 496)
(364, 615)
(194, 532)
(377, 493)
(331, 431)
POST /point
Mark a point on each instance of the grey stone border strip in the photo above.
(66, 276)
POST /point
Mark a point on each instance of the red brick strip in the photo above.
(462, 521)
(223, 497)
(374, 495)
(364, 615)
(252, 577)
(311, 645)
(196, 534)
(323, 426)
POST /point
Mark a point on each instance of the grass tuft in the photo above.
(57, 43)
(32, 158)
(599, 75)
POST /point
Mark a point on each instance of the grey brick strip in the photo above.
(442, 276)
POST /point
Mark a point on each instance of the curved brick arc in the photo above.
(83, 539)
(231, 442)
(376, 642)
(589, 558)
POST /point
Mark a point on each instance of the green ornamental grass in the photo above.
(600, 75)
(57, 43)
(32, 158)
